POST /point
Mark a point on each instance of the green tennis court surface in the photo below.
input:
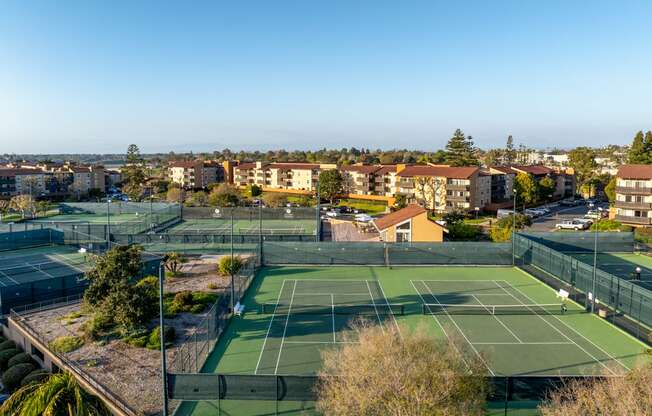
(92, 218)
(508, 317)
(40, 263)
(223, 226)
(622, 265)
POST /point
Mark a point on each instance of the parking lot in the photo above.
(561, 213)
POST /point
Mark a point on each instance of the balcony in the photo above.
(457, 198)
(633, 205)
(641, 190)
(633, 220)
(455, 187)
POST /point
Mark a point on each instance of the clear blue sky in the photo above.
(92, 76)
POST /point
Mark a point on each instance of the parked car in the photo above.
(572, 225)
(595, 214)
(534, 212)
(569, 203)
(502, 213)
(333, 214)
(586, 220)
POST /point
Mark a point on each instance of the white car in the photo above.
(595, 214)
(572, 225)
(586, 220)
(333, 214)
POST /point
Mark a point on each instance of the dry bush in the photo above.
(384, 373)
(623, 396)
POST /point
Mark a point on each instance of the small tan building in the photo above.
(409, 225)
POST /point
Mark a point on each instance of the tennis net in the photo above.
(370, 309)
(524, 309)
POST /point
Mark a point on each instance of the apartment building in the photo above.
(564, 179)
(289, 176)
(196, 173)
(502, 183)
(633, 203)
(444, 188)
(21, 181)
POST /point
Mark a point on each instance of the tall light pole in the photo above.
(514, 229)
(164, 372)
(595, 259)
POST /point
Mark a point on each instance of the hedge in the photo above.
(12, 377)
(21, 358)
(6, 355)
(5, 345)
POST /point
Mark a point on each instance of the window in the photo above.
(404, 232)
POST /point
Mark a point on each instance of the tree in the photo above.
(640, 152)
(386, 372)
(502, 229)
(174, 194)
(198, 199)
(5, 206)
(255, 190)
(172, 262)
(112, 293)
(400, 201)
(629, 395)
(526, 188)
(58, 394)
(225, 195)
(274, 200)
(230, 266)
(330, 184)
(493, 157)
(460, 150)
(610, 189)
(546, 188)
(454, 217)
(24, 204)
(582, 160)
(133, 173)
(510, 153)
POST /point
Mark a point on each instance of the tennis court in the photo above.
(41, 263)
(242, 226)
(93, 218)
(622, 265)
(513, 320)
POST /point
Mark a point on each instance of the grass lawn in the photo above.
(369, 207)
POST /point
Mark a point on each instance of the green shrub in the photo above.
(199, 308)
(12, 377)
(2, 339)
(204, 298)
(183, 298)
(7, 345)
(212, 286)
(96, 326)
(461, 231)
(137, 338)
(66, 344)
(609, 225)
(6, 355)
(35, 376)
(21, 358)
(230, 266)
(154, 341)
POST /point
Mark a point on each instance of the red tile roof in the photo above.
(440, 171)
(183, 164)
(399, 216)
(385, 169)
(635, 172)
(294, 165)
(361, 168)
(533, 169)
(19, 171)
(503, 169)
(245, 166)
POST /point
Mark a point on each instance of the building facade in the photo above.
(280, 176)
(195, 174)
(633, 203)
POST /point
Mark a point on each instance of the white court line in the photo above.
(262, 350)
(457, 281)
(287, 320)
(9, 277)
(555, 328)
(321, 342)
(382, 292)
(329, 294)
(6, 276)
(574, 330)
(423, 301)
(461, 332)
(499, 321)
(523, 343)
(333, 315)
(65, 262)
(39, 270)
(371, 295)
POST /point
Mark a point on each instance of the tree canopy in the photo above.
(582, 160)
(133, 173)
(386, 372)
(526, 188)
(331, 184)
(640, 152)
(460, 150)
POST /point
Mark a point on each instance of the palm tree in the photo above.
(59, 394)
(172, 262)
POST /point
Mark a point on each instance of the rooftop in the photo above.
(635, 172)
(440, 171)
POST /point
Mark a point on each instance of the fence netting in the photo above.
(618, 294)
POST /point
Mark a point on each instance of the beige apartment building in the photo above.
(370, 180)
(633, 203)
(195, 174)
(86, 178)
(287, 176)
(445, 188)
(564, 179)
